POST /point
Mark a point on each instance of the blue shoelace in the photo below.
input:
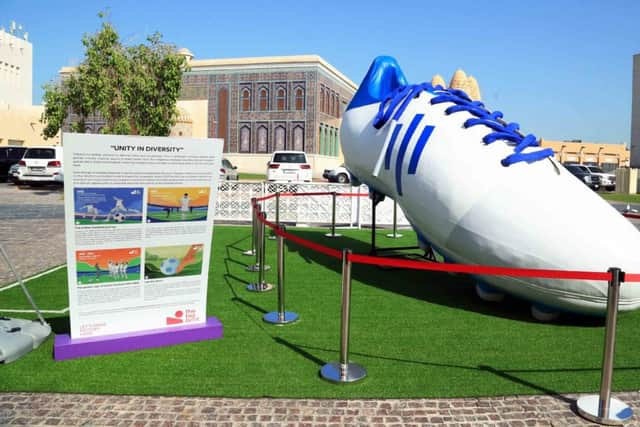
(398, 100)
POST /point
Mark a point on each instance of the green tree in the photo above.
(133, 88)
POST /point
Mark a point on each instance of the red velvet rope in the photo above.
(432, 266)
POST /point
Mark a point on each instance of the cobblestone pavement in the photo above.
(31, 229)
(32, 232)
(139, 411)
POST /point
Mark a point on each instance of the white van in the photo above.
(41, 164)
(289, 166)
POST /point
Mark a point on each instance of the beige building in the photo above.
(16, 59)
(19, 120)
(608, 156)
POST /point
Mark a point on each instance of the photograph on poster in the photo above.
(107, 265)
(96, 206)
(177, 204)
(172, 261)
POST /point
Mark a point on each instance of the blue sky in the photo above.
(562, 69)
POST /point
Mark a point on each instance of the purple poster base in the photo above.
(66, 348)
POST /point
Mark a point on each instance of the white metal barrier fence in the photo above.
(234, 204)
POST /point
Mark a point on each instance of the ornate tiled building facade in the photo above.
(258, 105)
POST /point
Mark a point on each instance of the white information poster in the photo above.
(139, 221)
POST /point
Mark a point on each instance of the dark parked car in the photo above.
(584, 174)
(8, 157)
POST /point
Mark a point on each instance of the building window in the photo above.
(263, 99)
(281, 99)
(338, 106)
(322, 99)
(263, 141)
(245, 139)
(245, 100)
(298, 138)
(281, 138)
(223, 113)
(321, 139)
(332, 104)
(299, 101)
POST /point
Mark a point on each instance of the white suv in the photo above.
(41, 164)
(289, 166)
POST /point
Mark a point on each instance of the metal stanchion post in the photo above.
(259, 245)
(273, 235)
(395, 234)
(344, 372)
(252, 251)
(333, 218)
(280, 317)
(261, 285)
(374, 206)
(604, 409)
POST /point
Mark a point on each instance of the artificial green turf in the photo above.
(419, 334)
(619, 197)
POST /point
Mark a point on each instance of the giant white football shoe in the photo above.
(482, 193)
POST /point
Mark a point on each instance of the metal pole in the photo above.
(333, 218)
(24, 288)
(395, 234)
(261, 285)
(280, 317)
(374, 206)
(604, 409)
(343, 371)
(273, 235)
(252, 251)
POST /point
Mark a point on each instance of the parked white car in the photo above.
(41, 165)
(339, 174)
(607, 180)
(289, 166)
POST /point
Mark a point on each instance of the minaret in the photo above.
(437, 80)
(459, 80)
(474, 89)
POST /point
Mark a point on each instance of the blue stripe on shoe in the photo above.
(417, 151)
(392, 141)
(403, 150)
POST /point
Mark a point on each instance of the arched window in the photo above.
(299, 98)
(322, 110)
(223, 113)
(245, 139)
(322, 140)
(263, 99)
(262, 139)
(332, 105)
(298, 138)
(337, 105)
(281, 138)
(245, 100)
(281, 99)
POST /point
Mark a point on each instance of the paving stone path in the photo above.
(32, 232)
(31, 229)
(145, 411)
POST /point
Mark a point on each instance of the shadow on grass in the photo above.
(59, 325)
(507, 374)
(452, 290)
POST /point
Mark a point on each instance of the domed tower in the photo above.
(183, 51)
(459, 80)
(474, 89)
(437, 80)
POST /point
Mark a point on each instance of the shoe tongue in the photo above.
(384, 76)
